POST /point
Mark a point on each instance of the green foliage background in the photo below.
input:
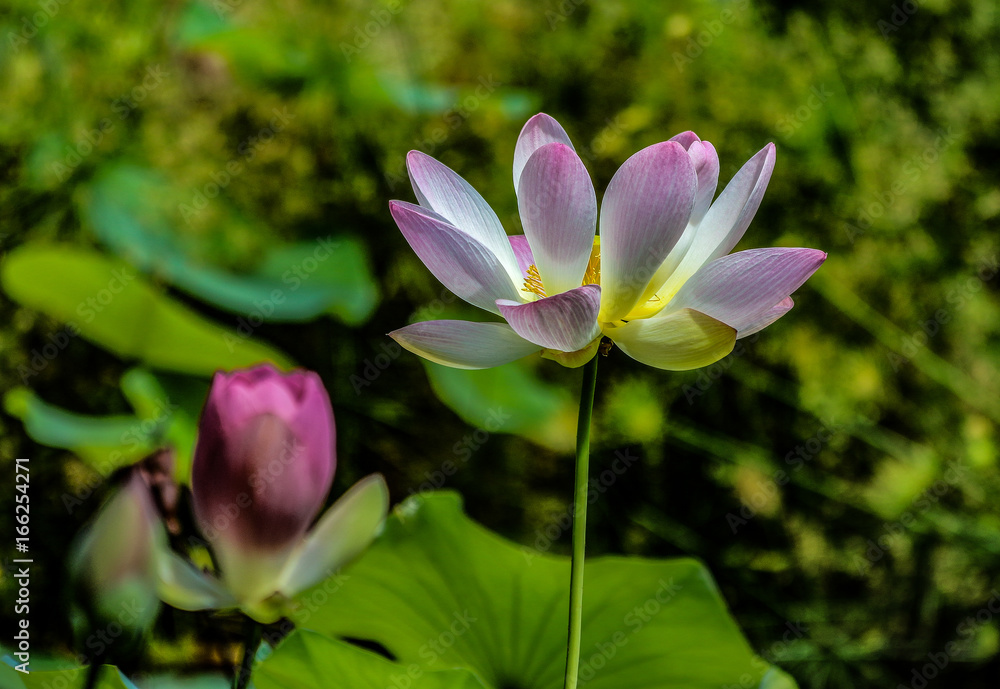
(838, 474)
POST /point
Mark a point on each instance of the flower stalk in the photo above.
(255, 631)
(580, 522)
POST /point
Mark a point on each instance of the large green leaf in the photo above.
(296, 283)
(59, 673)
(777, 679)
(114, 307)
(343, 277)
(307, 660)
(9, 677)
(105, 443)
(186, 682)
(439, 591)
(110, 678)
(507, 399)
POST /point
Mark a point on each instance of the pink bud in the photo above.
(263, 463)
(113, 558)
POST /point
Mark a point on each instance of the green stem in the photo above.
(254, 633)
(93, 673)
(580, 522)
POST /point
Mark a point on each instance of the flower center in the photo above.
(592, 276)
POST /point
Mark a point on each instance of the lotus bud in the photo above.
(113, 561)
(263, 467)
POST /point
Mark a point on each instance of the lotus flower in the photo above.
(658, 281)
(263, 467)
(113, 562)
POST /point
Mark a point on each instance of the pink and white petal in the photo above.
(706, 165)
(462, 263)
(180, 584)
(558, 207)
(767, 317)
(727, 220)
(342, 533)
(739, 206)
(645, 210)
(566, 321)
(464, 344)
(443, 191)
(662, 274)
(706, 162)
(522, 252)
(680, 341)
(741, 288)
(536, 132)
(250, 574)
(574, 359)
(685, 139)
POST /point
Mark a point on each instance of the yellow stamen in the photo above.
(593, 274)
(533, 281)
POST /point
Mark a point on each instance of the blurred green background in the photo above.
(192, 185)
